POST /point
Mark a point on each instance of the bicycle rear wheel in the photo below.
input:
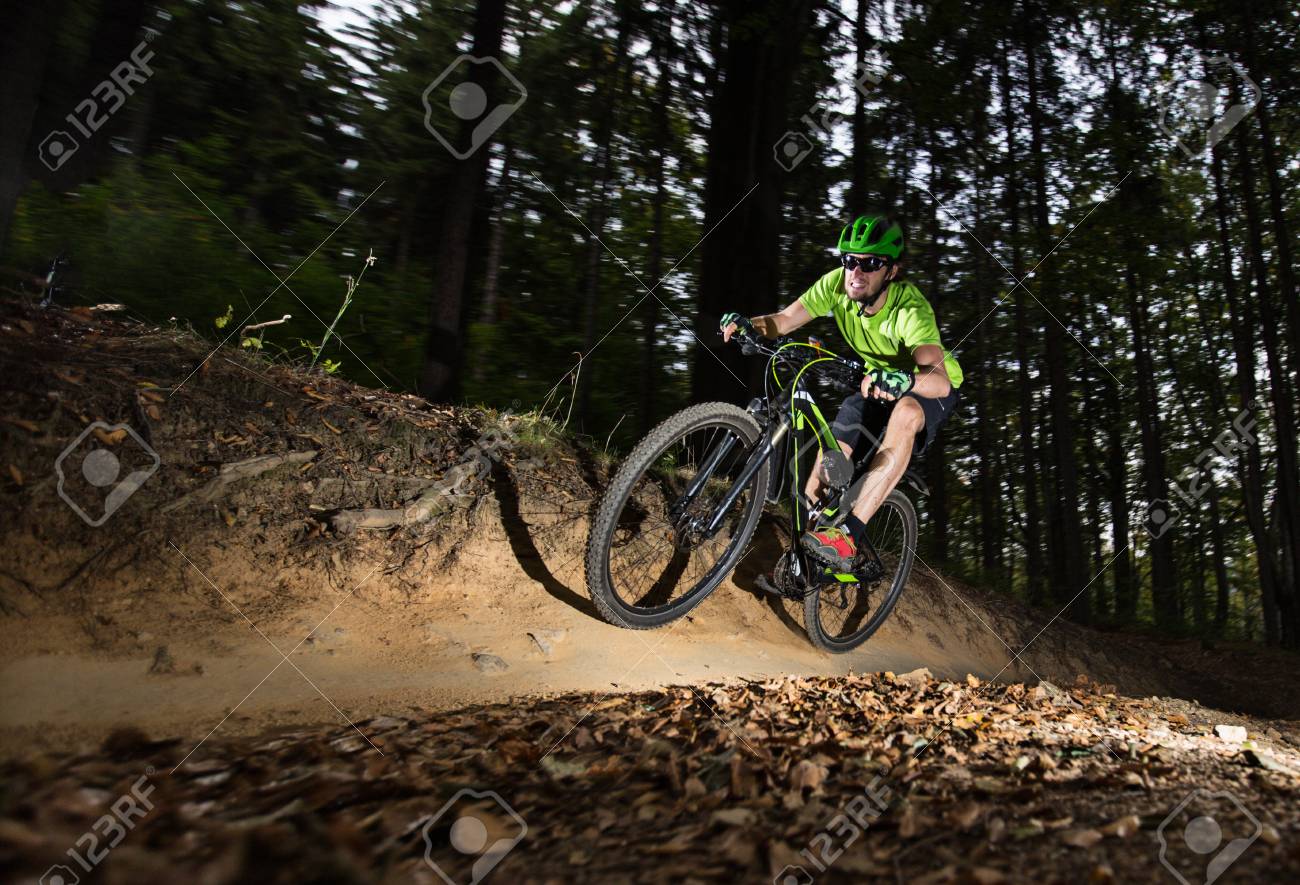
(646, 566)
(841, 616)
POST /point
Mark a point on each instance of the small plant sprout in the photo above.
(352, 285)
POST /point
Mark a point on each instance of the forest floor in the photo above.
(458, 650)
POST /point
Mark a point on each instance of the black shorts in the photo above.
(861, 417)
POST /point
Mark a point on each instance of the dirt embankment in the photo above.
(233, 588)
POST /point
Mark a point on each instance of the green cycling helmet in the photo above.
(872, 235)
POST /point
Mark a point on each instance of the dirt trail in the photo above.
(165, 619)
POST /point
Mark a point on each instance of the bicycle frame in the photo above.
(778, 416)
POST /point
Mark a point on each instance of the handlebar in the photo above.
(753, 345)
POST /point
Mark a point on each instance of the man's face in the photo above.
(865, 285)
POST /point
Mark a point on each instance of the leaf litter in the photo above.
(724, 782)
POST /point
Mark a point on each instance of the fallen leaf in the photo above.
(30, 426)
(1101, 874)
(16, 474)
(110, 439)
(807, 775)
(1124, 827)
(911, 824)
(330, 426)
(562, 768)
(965, 815)
(734, 817)
(1081, 838)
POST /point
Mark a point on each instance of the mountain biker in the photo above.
(910, 388)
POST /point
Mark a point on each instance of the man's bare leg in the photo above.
(813, 488)
(891, 459)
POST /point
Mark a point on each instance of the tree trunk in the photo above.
(25, 45)
(662, 130)
(1242, 319)
(612, 92)
(1028, 450)
(1276, 203)
(439, 380)
(1069, 555)
(1288, 479)
(990, 524)
(1164, 580)
(490, 311)
(748, 115)
(1117, 468)
(935, 459)
(858, 191)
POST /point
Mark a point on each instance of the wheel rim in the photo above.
(655, 562)
(848, 612)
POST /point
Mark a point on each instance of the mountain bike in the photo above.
(680, 510)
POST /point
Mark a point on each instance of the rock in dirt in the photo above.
(916, 678)
(545, 640)
(1269, 762)
(1234, 734)
(489, 663)
(163, 662)
(435, 635)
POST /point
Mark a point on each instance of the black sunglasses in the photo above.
(869, 264)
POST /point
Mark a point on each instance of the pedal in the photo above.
(762, 582)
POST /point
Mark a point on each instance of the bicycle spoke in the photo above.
(651, 564)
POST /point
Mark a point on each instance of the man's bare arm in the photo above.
(931, 376)
(774, 325)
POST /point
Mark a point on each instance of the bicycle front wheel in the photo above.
(841, 616)
(647, 563)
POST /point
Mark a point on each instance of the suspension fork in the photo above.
(715, 457)
(755, 463)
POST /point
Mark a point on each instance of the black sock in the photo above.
(855, 527)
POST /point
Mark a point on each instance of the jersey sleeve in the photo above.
(820, 297)
(916, 323)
